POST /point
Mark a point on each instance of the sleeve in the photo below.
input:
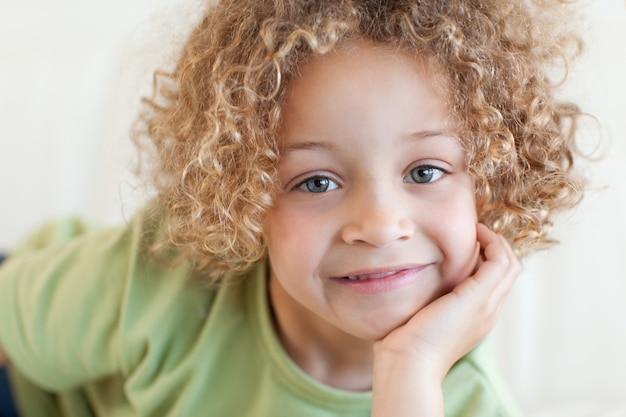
(60, 297)
(475, 388)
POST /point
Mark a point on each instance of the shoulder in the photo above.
(72, 289)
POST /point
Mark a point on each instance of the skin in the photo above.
(373, 186)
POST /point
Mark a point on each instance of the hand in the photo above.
(421, 352)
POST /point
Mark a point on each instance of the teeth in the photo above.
(381, 275)
(370, 276)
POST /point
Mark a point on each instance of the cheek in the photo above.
(458, 240)
(291, 236)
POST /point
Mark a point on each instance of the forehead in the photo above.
(360, 85)
(368, 59)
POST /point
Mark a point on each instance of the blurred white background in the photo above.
(72, 72)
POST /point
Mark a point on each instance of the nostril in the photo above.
(377, 233)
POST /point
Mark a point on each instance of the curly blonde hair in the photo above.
(212, 122)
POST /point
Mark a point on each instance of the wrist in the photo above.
(400, 365)
(405, 386)
(428, 366)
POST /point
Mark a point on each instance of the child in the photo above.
(350, 180)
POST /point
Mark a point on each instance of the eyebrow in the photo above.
(309, 145)
(330, 146)
(425, 134)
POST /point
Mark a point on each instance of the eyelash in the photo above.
(304, 185)
(434, 172)
(326, 184)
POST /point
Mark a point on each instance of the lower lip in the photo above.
(393, 282)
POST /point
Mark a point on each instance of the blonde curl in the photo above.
(213, 121)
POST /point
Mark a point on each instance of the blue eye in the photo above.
(424, 174)
(317, 185)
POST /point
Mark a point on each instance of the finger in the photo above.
(495, 248)
(494, 259)
(491, 242)
(496, 273)
(501, 264)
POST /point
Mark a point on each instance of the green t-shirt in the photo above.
(95, 326)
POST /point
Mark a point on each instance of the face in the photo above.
(375, 216)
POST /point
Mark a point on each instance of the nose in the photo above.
(377, 219)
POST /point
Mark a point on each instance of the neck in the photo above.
(323, 351)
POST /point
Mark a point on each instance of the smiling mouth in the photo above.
(381, 273)
(382, 280)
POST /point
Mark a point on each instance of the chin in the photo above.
(380, 329)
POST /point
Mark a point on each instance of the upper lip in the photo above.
(380, 272)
